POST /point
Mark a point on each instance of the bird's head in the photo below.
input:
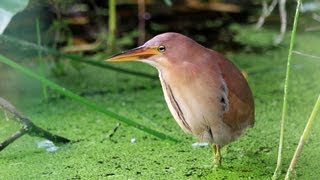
(161, 51)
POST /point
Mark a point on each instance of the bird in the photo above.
(206, 93)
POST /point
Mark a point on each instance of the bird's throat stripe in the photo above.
(176, 106)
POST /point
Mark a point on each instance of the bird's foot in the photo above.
(217, 161)
(217, 157)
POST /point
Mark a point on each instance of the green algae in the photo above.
(94, 156)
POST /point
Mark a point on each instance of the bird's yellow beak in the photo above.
(134, 54)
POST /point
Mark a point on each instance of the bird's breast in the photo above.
(175, 106)
(194, 100)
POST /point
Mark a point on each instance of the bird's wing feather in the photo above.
(241, 104)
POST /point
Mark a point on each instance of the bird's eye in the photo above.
(161, 48)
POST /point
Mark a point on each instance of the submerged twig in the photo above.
(22, 131)
(27, 127)
(303, 138)
(114, 130)
(111, 133)
(284, 106)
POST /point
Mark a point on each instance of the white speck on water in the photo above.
(133, 140)
(47, 145)
(200, 144)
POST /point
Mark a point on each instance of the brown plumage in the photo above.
(205, 92)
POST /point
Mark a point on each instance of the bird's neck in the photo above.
(180, 74)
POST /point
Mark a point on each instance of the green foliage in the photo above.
(214, 23)
(251, 37)
(158, 27)
(112, 26)
(285, 93)
(72, 57)
(41, 61)
(127, 40)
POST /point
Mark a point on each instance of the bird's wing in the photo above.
(240, 113)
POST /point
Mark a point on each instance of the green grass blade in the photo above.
(41, 61)
(284, 106)
(84, 101)
(112, 25)
(303, 138)
(73, 57)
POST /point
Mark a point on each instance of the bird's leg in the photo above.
(217, 155)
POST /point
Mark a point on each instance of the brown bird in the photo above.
(206, 93)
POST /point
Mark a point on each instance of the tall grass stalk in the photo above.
(286, 83)
(142, 21)
(41, 61)
(84, 101)
(303, 138)
(112, 26)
